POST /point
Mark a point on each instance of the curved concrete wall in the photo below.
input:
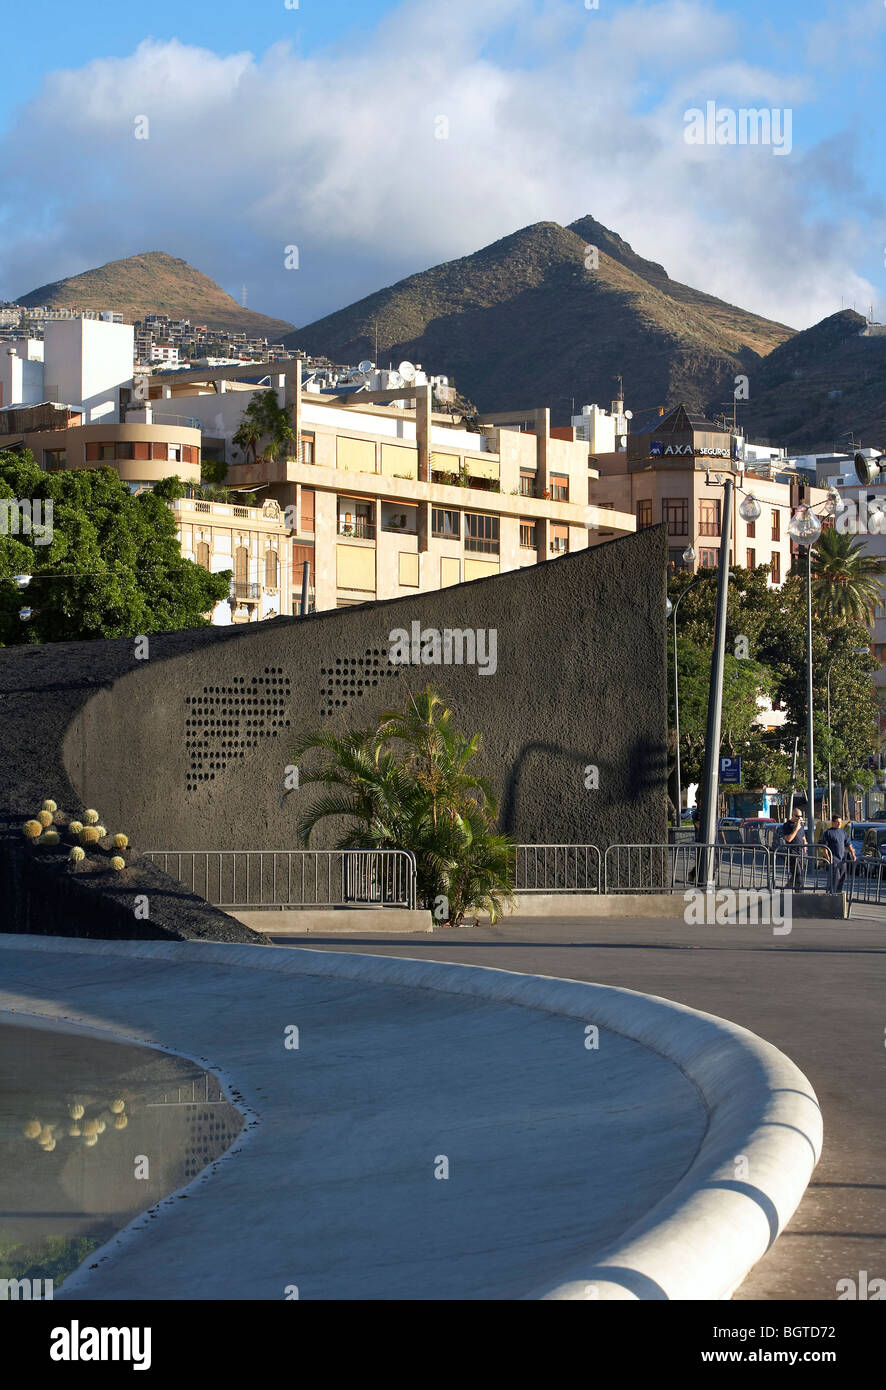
(188, 748)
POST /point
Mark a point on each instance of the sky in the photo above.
(381, 138)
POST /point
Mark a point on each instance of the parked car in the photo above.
(758, 830)
(873, 851)
(857, 830)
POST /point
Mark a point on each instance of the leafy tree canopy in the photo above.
(113, 567)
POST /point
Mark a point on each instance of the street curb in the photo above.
(744, 1183)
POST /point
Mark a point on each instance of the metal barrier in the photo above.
(558, 869)
(249, 878)
(804, 873)
(866, 881)
(678, 868)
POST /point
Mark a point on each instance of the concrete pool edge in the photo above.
(64, 1024)
(747, 1178)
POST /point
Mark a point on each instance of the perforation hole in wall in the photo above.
(348, 678)
(224, 722)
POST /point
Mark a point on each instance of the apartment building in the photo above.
(673, 472)
(252, 542)
(384, 500)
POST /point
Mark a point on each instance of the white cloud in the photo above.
(573, 111)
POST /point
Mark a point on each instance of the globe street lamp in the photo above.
(805, 528)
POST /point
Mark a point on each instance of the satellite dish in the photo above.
(622, 439)
(395, 379)
(365, 366)
(407, 371)
(629, 415)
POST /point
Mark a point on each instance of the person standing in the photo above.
(837, 846)
(794, 835)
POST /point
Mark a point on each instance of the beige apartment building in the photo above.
(141, 452)
(251, 542)
(670, 475)
(384, 501)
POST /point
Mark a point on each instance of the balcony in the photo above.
(243, 590)
(709, 528)
(358, 528)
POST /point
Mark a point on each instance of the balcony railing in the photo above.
(242, 589)
(709, 528)
(358, 528)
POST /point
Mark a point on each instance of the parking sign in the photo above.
(730, 769)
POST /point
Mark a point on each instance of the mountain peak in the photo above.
(154, 282)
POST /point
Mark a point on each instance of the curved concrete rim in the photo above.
(760, 1148)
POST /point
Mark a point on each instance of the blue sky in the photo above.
(320, 127)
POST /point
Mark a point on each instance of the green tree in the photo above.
(264, 419)
(408, 784)
(846, 579)
(114, 566)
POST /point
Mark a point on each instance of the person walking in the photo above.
(793, 833)
(838, 848)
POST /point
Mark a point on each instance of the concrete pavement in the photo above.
(819, 994)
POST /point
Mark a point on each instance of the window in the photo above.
(752, 530)
(708, 559)
(175, 453)
(158, 451)
(559, 487)
(126, 451)
(776, 524)
(879, 650)
(272, 580)
(527, 535)
(776, 567)
(752, 559)
(675, 511)
(880, 610)
(527, 484)
(107, 452)
(202, 555)
(481, 532)
(241, 564)
(676, 561)
(306, 448)
(307, 509)
(559, 539)
(709, 518)
(445, 524)
(301, 555)
(54, 459)
(644, 514)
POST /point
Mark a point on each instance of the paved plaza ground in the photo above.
(818, 994)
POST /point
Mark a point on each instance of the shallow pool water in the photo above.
(91, 1133)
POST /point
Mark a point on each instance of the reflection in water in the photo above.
(91, 1133)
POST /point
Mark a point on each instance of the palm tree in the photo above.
(407, 785)
(846, 579)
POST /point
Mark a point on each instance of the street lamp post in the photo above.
(715, 691)
(805, 528)
(673, 612)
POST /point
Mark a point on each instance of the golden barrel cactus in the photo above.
(90, 817)
(33, 829)
(77, 854)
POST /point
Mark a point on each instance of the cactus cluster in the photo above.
(85, 833)
(83, 1127)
